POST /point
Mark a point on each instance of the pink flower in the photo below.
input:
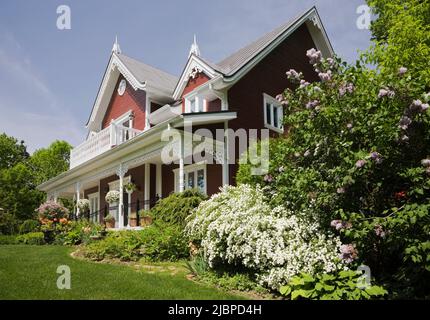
(268, 178)
(314, 56)
(379, 231)
(348, 253)
(402, 70)
(293, 75)
(384, 92)
(425, 162)
(360, 163)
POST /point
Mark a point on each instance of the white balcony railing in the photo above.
(101, 142)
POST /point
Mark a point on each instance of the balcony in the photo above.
(101, 142)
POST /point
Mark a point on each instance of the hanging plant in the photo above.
(83, 205)
(130, 187)
(112, 196)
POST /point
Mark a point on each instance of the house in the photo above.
(137, 105)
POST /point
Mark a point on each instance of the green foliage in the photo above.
(8, 239)
(18, 191)
(8, 223)
(401, 37)
(177, 206)
(50, 162)
(157, 242)
(11, 152)
(198, 265)
(345, 285)
(232, 281)
(32, 238)
(29, 226)
(76, 232)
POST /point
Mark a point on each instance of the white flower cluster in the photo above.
(112, 196)
(83, 204)
(237, 226)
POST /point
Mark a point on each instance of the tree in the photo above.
(11, 152)
(18, 191)
(50, 162)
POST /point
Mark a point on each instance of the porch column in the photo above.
(225, 165)
(158, 181)
(122, 170)
(181, 165)
(78, 196)
(55, 196)
(147, 186)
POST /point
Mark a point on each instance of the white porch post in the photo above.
(147, 186)
(158, 181)
(55, 196)
(181, 165)
(78, 196)
(147, 112)
(225, 165)
(122, 170)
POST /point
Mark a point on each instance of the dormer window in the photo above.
(273, 114)
(195, 104)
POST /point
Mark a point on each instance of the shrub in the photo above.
(76, 232)
(345, 285)
(237, 227)
(232, 281)
(158, 242)
(176, 207)
(32, 238)
(198, 265)
(29, 226)
(52, 211)
(8, 223)
(8, 239)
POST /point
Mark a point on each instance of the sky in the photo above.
(49, 77)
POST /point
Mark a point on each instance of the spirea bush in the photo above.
(238, 227)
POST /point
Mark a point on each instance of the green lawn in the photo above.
(29, 272)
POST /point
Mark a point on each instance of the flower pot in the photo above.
(133, 222)
(110, 224)
(145, 221)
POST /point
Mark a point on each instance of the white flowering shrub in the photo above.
(237, 226)
(112, 196)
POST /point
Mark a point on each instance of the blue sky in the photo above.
(49, 78)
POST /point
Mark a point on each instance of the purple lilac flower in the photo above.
(314, 56)
(375, 156)
(280, 97)
(268, 178)
(346, 88)
(340, 190)
(348, 253)
(304, 83)
(325, 76)
(379, 231)
(404, 122)
(424, 107)
(360, 163)
(293, 75)
(402, 70)
(312, 104)
(330, 61)
(425, 163)
(340, 225)
(384, 92)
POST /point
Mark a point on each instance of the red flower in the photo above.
(400, 195)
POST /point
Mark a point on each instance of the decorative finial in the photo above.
(116, 47)
(194, 48)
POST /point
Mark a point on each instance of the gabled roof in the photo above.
(255, 51)
(147, 74)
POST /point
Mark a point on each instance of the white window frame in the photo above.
(91, 197)
(114, 185)
(275, 106)
(191, 168)
(199, 102)
(123, 118)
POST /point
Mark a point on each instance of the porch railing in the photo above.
(101, 142)
(100, 215)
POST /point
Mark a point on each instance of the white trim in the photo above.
(191, 168)
(123, 118)
(147, 193)
(276, 106)
(158, 180)
(114, 185)
(91, 196)
(193, 62)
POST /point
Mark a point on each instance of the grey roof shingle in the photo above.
(235, 61)
(144, 72)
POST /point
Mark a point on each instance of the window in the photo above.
(194, 177)
(94, 206)
(196, 104)
(273, 114)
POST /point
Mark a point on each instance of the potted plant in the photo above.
(133, 219)
(110, 221)
(83, 205)
(145, 218)
(130, 187)
(112, 197)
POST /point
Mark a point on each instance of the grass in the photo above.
(29, 272)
